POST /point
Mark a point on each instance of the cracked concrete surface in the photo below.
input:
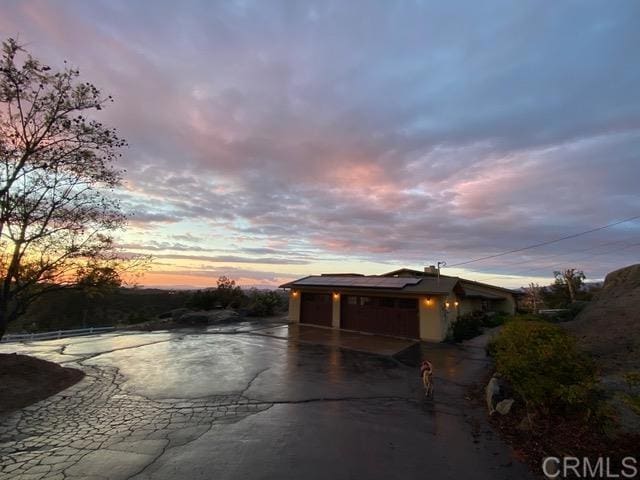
(211, 405)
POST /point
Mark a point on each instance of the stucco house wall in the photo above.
(294, 306)
(432, 320)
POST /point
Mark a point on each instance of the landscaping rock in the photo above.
(222, 316)
(194, 318)
(208, 317)
(491, 391)
(503, 407)
(177, 313)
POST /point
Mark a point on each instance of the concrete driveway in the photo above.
(253, 402)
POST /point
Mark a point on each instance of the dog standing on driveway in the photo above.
(426, 372)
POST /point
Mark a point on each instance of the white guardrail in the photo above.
(31, 337)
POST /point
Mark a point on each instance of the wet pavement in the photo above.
(254, 401)
(359, 342)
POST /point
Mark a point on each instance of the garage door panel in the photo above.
(381, 315)
(316, 309)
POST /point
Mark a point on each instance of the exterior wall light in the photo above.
(336, 295)
(447, 304)
(428, 301)
(456, 303)
(294, 293)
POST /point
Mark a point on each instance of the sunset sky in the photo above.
(271, 140)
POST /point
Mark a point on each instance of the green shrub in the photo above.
(203, 300)
(264, 303)
(494, 320)
(527, 317)
(136, 317)
(465, 327)
(571, 312)
(543, 365)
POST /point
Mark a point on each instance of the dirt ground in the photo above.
(25, 380)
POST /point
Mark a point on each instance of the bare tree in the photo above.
(571, 279)
(533, 297)
(56, 182)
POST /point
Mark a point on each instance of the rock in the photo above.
(208, 317)
(607, 328)
(491, 390)
(503, 407)
(222, 316)
(194, 318)
(526, 424)
(177, 313)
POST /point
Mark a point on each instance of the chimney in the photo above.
(431, 270)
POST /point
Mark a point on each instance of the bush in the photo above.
(572, 312)
(543, 365)
(204, 300)
(528, 317)
(494, 320)
(465, 327)
(136, 317)
(264, 303)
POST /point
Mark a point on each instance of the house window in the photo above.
(352, 300)
(366, 301)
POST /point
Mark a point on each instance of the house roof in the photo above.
(421, 285)
(420, 273)
(474, 293)
(402, 271)
(418, 282)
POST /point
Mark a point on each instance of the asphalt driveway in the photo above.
(253, 402)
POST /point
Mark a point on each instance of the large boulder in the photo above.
(223, 316)
(193, 318)
(177, 313)
(609, 327)
(208, 317)
(609, 330)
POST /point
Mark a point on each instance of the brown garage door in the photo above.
(382, 315)
(316, 309)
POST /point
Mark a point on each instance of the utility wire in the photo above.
(518, 274)
(541, 244)
(536, 261)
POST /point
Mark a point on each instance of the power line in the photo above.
(522, 273)
(536, 261)
(542, 244)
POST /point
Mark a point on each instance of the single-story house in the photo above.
(402, 303)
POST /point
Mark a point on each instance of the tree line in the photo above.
(567, 290)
